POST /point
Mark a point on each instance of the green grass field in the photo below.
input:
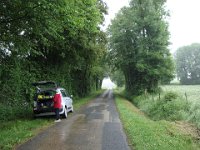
(146, 134)
(192, 91)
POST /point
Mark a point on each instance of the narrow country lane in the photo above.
(95, 127)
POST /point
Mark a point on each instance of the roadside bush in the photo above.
(170, 96)
(14, 112)
(194, 114)
(169, 106)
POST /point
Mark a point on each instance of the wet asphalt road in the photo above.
(95, 127)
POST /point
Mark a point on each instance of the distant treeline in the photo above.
(188, 64)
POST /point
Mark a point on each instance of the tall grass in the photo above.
(146, 134)
(189, 92)
(9, 113)
(168, 107)
(175, 102)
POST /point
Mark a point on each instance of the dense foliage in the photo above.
(188, 64)
(50, 40)
(138, 45)
(170, 106)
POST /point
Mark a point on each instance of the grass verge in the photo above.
(20, 130)
(145, 134)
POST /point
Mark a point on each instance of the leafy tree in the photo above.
(188, 64)
(138, 45)
(50, 40)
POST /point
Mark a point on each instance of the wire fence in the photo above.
(190, 93)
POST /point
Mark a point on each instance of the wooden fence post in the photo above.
(186, 97)
(159, 95)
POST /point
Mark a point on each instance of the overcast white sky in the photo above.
(184, 23)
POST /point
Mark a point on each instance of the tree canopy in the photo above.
(51, 40)
(138, 39)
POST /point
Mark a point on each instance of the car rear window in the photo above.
(46, 94)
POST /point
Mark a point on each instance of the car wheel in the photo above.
(65, 113)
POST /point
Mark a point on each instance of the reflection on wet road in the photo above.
(95, 127)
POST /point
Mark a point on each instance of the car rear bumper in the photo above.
(46, 112)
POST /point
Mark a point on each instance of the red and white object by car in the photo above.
(43, 99)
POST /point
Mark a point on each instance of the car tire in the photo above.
(65, 112)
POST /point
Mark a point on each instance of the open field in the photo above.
(192, 91)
